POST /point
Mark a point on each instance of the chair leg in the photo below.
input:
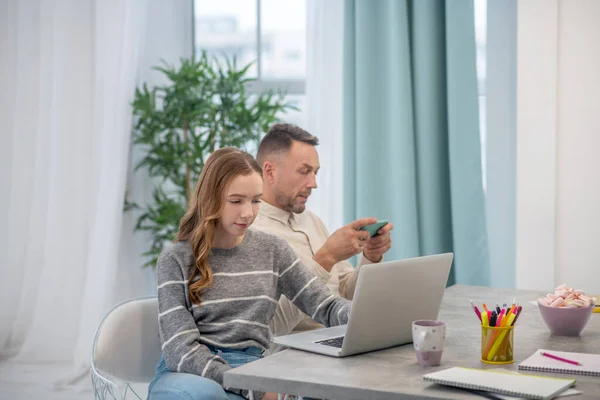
(105, 390)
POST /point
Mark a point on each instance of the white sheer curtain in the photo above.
(501, 140)
(325, 32)
(168, 37)
(65, 123)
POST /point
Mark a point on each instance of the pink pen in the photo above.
(560, 358)
(500, 322)
(477, 312)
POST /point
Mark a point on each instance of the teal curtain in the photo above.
(412, 152)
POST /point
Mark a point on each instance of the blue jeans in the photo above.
(168, 385)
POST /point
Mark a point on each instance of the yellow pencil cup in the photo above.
(497, 344)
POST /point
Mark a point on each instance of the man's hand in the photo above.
(270, 396)
(376, 246)
(344, 243)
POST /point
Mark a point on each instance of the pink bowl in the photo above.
(565, 321)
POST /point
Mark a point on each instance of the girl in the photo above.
(219, 284)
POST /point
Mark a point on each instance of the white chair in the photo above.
(126, 350)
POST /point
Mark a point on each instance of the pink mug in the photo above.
(428, 339)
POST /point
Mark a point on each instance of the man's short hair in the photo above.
(279, 140)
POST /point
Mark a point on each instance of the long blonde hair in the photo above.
(199, 224)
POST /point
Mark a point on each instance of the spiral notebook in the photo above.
(537, 362)
(509, 383)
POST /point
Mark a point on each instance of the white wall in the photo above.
(578, 175)
(558, 143)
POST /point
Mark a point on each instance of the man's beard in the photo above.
(289, 203)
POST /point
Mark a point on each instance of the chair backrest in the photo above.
(127, 343)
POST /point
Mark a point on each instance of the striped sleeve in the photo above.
(306, 291)
(179, 334)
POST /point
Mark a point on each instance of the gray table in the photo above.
(394, 373)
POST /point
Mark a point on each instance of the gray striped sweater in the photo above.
(236, 310)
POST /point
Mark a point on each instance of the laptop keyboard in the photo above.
(333, 342)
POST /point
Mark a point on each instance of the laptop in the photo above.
(389, 296)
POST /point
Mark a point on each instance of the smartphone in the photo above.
(373, 228)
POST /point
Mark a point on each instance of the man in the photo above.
(290, 165)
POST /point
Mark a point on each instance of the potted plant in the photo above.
(204, 106)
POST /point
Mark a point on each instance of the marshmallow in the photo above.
(566, 297)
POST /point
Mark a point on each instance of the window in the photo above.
(283, 31)
(269, 33)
